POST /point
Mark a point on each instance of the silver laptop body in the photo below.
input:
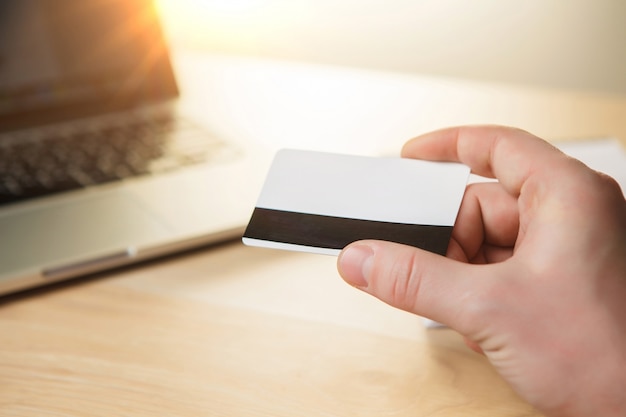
(98, 167)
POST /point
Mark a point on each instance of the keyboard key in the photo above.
(60, 159)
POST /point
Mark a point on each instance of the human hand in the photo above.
(535, 273)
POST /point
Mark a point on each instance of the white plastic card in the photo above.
(320, 202)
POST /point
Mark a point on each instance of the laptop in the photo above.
(99, 167)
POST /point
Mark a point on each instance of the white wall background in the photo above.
(557, 43)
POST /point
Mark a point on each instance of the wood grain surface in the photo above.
(123, 344)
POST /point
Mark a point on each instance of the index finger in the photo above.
(508, 154)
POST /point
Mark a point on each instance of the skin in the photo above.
(535, 273)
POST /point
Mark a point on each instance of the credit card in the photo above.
(320, 202)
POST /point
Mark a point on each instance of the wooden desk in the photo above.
(233, 330)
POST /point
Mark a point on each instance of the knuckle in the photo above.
(609, 184)
(405, 278)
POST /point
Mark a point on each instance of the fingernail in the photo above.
(355, 263)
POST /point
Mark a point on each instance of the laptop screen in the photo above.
(65, 58)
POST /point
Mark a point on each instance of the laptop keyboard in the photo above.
(62, 158)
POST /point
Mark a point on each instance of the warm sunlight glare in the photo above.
(217, 24)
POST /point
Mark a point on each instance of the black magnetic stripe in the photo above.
(336, 232)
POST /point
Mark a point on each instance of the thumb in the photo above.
(411, 279)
